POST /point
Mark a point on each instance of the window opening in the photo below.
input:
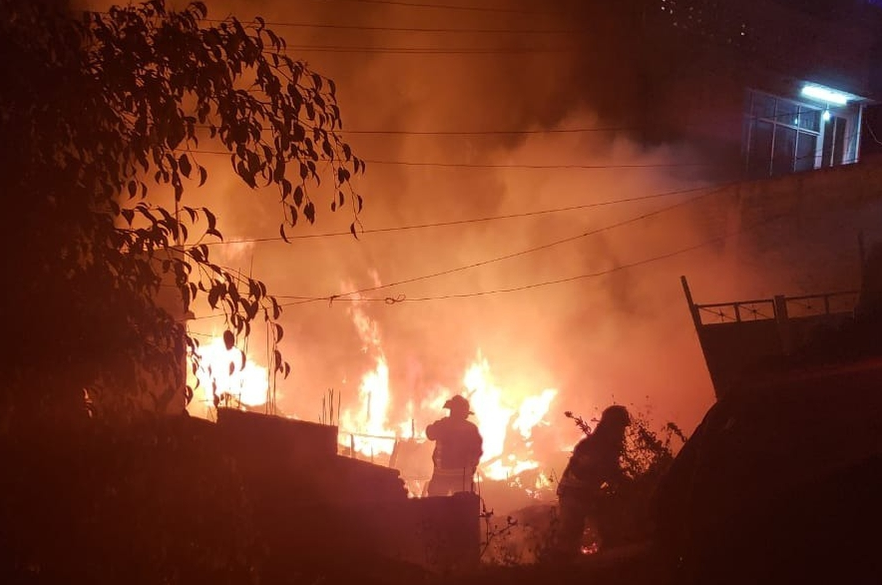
(784, 136)
(834, 141)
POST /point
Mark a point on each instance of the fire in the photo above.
(532, 412)
(368, 426)
(369, 433)
(229, 375)
(507, 415)
(495, 409)
(487, 402)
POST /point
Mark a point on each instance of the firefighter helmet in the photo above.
(458, 403)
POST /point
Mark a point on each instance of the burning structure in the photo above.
(395, 349)
(803, 110)
(389, 391)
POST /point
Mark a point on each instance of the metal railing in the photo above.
(825, 304)
(737, 312)
(777, 308)
(354, 437)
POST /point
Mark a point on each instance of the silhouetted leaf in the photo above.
(213, 296)
(131, 115)
(184, 165)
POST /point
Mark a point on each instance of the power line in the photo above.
(497, 132)
(302, 300)
(430, 50)
(204, 317)
(456, 7)
(455, 222)
(490, 132)
(872, 134)
(413, 29)
(434, 6)
(500, 165)
(403, 298)
(533, 166)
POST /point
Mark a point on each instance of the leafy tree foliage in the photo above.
(625, 514)
(98, 111)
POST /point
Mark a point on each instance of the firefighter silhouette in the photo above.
(592, 471)
(458, 448)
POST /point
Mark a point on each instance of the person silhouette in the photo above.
(458, 449)
(593, 469)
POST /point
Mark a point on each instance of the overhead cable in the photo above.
(500, 165)
(531, 250)
(469, 8)
(414, 29)
(455, 222)
(401, 298)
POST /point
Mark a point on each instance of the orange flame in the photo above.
(367, 427)
(507, 416)
(229, 374)
(499, 410)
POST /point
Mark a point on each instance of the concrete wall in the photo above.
(314, 507)
(801, 231)
(795, 235)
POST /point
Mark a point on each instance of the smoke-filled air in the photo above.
(516, 245)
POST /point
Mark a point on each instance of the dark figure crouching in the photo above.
(593, 470)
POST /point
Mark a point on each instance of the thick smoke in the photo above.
(617, 328)
(622, 336)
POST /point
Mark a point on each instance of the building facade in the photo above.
(761, 87)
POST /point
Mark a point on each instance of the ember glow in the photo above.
(230, 375)
(500, 414)
(523, 339)
(367, 427)
(372, 425)
(472, 138)
(371, 422)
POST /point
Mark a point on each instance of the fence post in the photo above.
(785, 334)
(693, 309)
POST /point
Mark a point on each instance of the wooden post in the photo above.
(696, 319)
(693, 309)
(783, 321)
